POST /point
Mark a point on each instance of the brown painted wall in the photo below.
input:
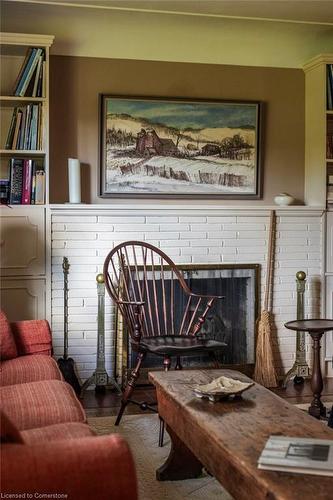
(75, 83)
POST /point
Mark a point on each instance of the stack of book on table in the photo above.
(26, 182)
(299, 455)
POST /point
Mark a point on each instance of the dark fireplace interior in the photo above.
(231, 320)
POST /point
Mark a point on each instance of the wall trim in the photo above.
(153, 209)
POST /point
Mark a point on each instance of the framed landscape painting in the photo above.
(159, 147)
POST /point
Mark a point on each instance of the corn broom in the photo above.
(264, 372)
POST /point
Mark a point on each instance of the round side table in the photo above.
(316, 328)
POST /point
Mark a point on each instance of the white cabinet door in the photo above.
(22, 241)
(23, 298)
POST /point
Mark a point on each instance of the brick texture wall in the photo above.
(86, 235)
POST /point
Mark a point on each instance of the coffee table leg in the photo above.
(180, 464)
(317, 408)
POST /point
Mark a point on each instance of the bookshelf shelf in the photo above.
(24, 152)
(14, 99)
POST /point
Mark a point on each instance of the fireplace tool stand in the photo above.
(300, 368)
(66, 364)
(100, 377)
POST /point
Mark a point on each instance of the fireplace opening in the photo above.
(231, 320)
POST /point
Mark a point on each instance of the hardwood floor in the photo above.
(99, 405)
(102, 405)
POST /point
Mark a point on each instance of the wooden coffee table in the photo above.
(227, 437)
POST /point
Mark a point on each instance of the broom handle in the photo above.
(269, 259)
(65, 268)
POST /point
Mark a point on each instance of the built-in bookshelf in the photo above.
(329, 132)
(319, 130)
(24, 162)
(24, 112)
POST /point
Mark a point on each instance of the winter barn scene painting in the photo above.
(160, 147)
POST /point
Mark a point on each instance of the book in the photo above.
(27, 182)
(43, 81)
(30, 72)
(39, 197)
(17, 129)
(27, 127)
(298, 455)
(16, 181)
(4, 191)
(33, 127)
(37, 76)
(27, 66)
(25, 62)
(33, 181)
(329, 87)
(10, 135)
(22, 128)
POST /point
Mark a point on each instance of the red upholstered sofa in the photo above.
(46, 445)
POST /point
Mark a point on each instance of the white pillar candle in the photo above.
(74, 180)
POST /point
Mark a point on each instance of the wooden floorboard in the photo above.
(107, 404)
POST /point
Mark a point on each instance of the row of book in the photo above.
(329, 75)
(26, 183)
(25, 130)
(32, 74)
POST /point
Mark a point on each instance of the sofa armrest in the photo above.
(32, 337)
(85, 468)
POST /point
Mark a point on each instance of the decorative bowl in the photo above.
(283, 199)
(221, 387)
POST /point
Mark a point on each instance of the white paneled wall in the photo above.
(187, 235)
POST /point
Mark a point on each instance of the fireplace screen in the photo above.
(231, 320)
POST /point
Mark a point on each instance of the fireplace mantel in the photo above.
(182, 209)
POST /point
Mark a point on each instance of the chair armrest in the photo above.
(130, 303)
(87, 468)
(32, 337)
(207, 296)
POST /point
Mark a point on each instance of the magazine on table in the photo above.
(299, 455)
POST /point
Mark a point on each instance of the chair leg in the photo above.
(178, 364)
(167, 364)
(161, 433)
(214, 359)
(130, 386)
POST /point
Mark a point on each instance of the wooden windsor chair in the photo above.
(162, 315)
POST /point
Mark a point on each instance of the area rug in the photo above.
(141, 433)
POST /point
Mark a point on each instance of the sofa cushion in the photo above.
(36, 404)
(8, 431)
(70, 430)
(8, 348)
(32, 336)
(29, 369)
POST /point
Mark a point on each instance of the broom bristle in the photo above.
(264, 372)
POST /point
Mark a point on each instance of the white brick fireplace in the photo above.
(188, 234)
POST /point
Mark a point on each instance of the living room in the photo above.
(124, 94)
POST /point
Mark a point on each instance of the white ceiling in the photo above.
(252, 33)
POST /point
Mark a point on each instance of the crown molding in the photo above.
(26, 39)
(319, 60)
